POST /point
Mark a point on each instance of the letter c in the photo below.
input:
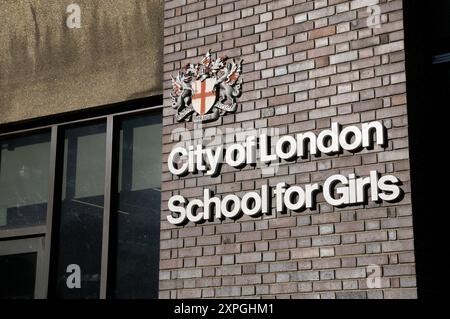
(190, 209)
(171, 163)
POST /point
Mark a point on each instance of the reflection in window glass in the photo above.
(24, 165)
(81, 214)
(138, 216)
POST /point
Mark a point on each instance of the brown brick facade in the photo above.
(306, 64)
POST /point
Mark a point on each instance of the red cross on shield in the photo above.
(204, 97)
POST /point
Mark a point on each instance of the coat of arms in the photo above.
(207, 90)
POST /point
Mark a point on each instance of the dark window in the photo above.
(17, 275)
(81, 213)
(138, 202)
(24, 166)
(24, 181)
(21, 269)
(84, 194)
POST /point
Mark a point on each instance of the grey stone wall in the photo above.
(48, 68)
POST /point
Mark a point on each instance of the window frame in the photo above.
(56, 151)
(29, 245)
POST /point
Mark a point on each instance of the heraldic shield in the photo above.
(207, 90)
(204, 95)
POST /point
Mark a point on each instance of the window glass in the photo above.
(138, 214)
(17, 276)
(81, 212)
(24, 166)
(133, 269)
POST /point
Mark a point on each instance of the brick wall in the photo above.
(307, 63)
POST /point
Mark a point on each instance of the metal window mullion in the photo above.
(107, 205)
(12, 233)
(70, 122)
(50, 209)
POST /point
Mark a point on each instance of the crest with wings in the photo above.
(207, 90)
